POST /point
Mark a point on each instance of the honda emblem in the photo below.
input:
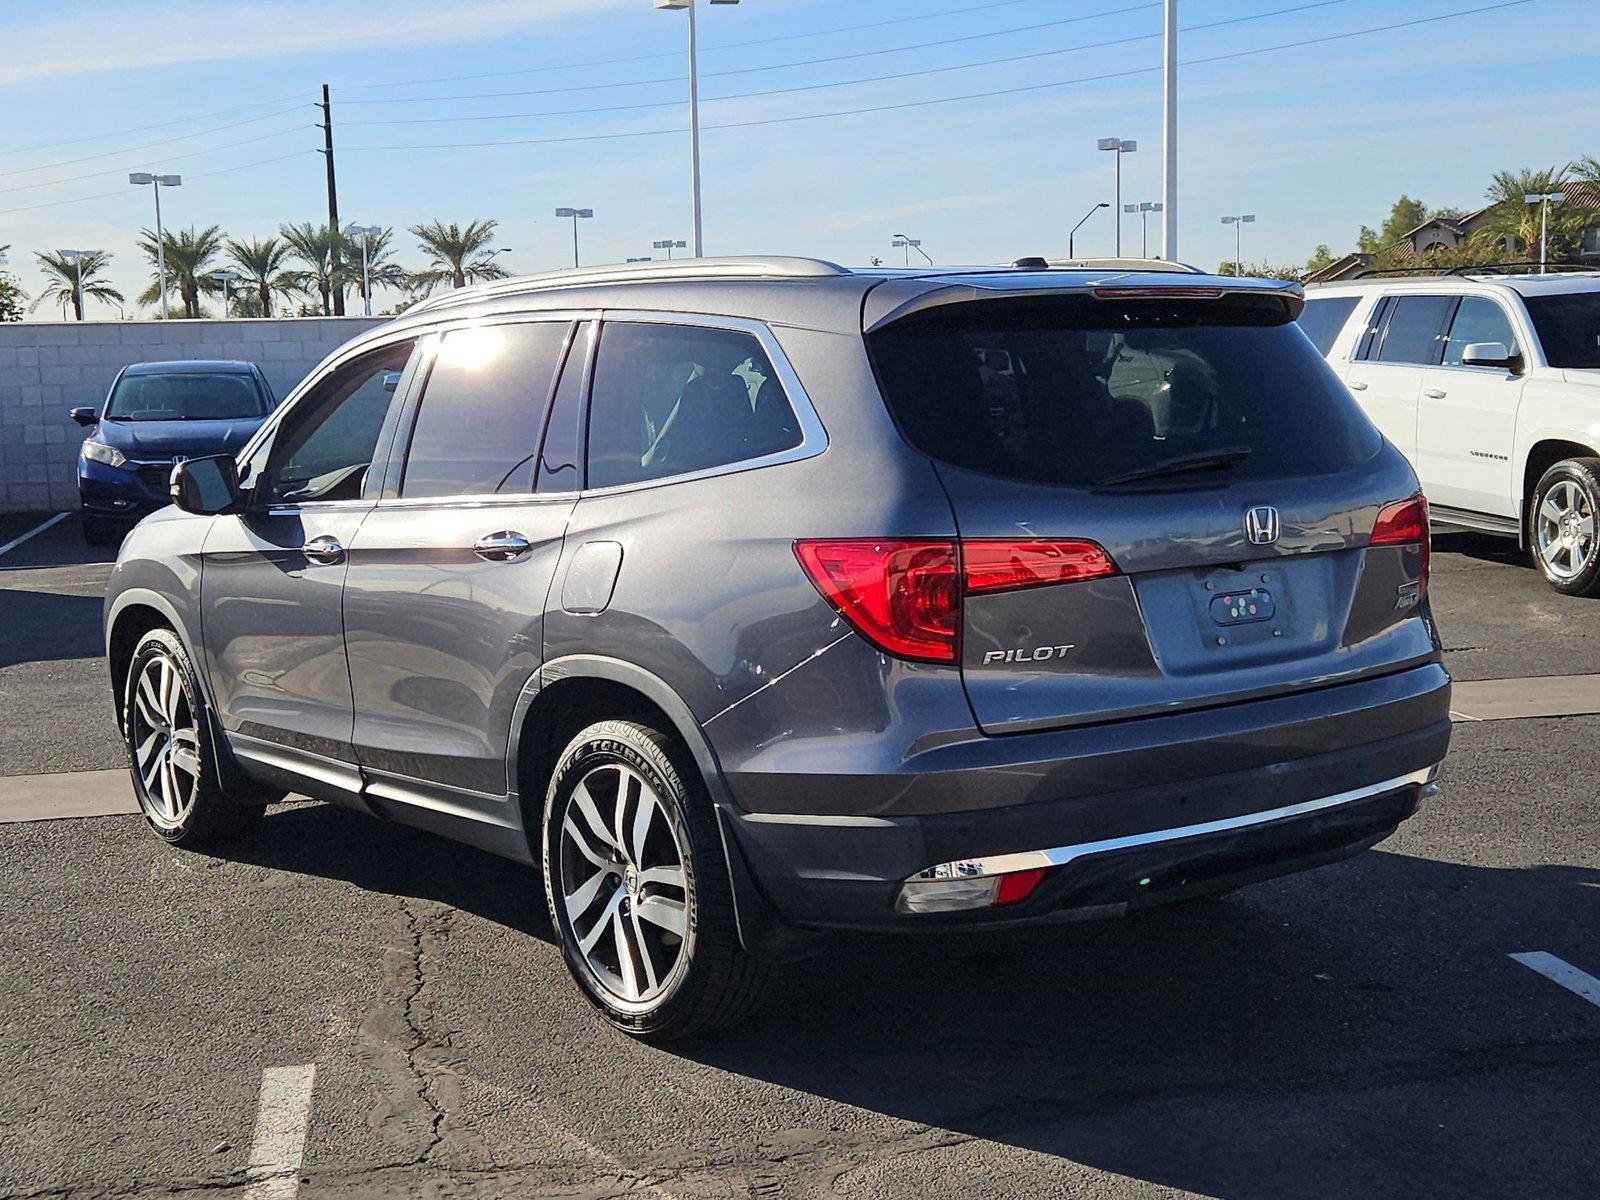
(1261, 525)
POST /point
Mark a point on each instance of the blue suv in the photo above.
(159, 414)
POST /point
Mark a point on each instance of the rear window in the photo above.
(1568, 325)
(1323, 319)
(1077, 391)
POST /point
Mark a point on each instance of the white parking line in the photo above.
(1557, 970)
(37, 529)
(282, 1116)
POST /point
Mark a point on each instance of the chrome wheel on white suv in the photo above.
(1562, 526)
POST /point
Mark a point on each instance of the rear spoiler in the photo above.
(896, 299)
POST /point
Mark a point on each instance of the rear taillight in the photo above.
(905, 596)
(1405, 523)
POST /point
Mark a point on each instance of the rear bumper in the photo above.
(1328, 774)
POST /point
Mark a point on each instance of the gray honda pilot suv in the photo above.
(754, 598)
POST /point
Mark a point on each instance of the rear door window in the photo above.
(1323, 319)
(673, 399)
(477, 430)
(1095, 388)
(1414, 333)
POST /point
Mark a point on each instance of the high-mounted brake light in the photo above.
(1156, 293)
(1405, 523)
(905, 596)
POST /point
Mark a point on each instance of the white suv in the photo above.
(1490, 385)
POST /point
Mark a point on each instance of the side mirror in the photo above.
(206, 485)
(86, 416)
(391, 380)
(1489, 354)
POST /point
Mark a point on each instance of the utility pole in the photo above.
(1169, 138)
(333, 207)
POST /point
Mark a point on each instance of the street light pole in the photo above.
(1144, 208)
(669, 245)
(1072, 237)
(1238, 240)
(225, 277)
(910, 244)
(1119, 147)
(157, 182)
(1169, 136)
(1543, 200)
(694, 113)
(574, 213)
(364, 232)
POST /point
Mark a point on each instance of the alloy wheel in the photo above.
(1565, 529)
(165, 737)
(624, 888)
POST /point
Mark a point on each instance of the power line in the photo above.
(29, 187)
(182, 137)
(812, 87)
(100, 137)
(987, 95)
(188, 178)
(808, 62)
(606, 62)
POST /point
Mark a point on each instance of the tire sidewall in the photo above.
(163, 643)
(624, 742)
(1585, 472)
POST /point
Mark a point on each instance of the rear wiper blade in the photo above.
(1183, 464)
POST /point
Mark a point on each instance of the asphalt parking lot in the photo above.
(178, 1022)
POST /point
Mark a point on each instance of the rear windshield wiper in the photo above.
(1183, 464)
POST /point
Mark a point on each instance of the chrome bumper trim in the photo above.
(1026, 860)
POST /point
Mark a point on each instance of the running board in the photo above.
(1461, 518)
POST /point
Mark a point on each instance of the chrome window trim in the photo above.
(1024, 860)
(813, 436)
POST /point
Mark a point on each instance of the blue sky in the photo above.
(1315, 139)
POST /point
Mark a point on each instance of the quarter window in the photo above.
(1322, 320)
(323, 449)
(1479, 319)
(1413, 334)
(477, 429)
(671, 399)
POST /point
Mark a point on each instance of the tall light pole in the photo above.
(1119, 147)
(574, 213)
(141, 178)
(225, 277)
(1238, 224)
(909, 244)
(76, 257)
(1144, 208)
(1544, 200)
(1169, 136)
(669, 245)
(694, 113)
(364, 232)
(1073, 236)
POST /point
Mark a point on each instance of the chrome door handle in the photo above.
(1357, 386)
(1433, 393)
(501, 547)
(324, 549)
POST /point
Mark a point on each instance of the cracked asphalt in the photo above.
(1354, 1031)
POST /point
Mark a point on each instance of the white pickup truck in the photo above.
(1490, 385)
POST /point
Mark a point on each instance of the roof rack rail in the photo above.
(770, 267)
(1128, 264)
(1494, 268)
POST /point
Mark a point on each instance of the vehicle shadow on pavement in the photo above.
(1357, 1031)
(48, 626)
(1482, 546)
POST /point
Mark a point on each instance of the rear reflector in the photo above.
(1018, 886)
(1405, 523)
(949, 888)
(905, 596)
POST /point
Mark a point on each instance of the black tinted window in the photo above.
(1323, 319)
(186, 396)
(561, 456)
(1479, 319)
(324, 447)
(669, 399)
(1569, 328)
(1413, 335)
(1075, 391)
(477, 430)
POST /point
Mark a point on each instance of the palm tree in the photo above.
(326, 265)
(456, 254)
(382, 270)
(71, 282)
(189, 257)
(264, 264)
(1513, 226)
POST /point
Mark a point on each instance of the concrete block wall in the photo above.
(47, 368)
